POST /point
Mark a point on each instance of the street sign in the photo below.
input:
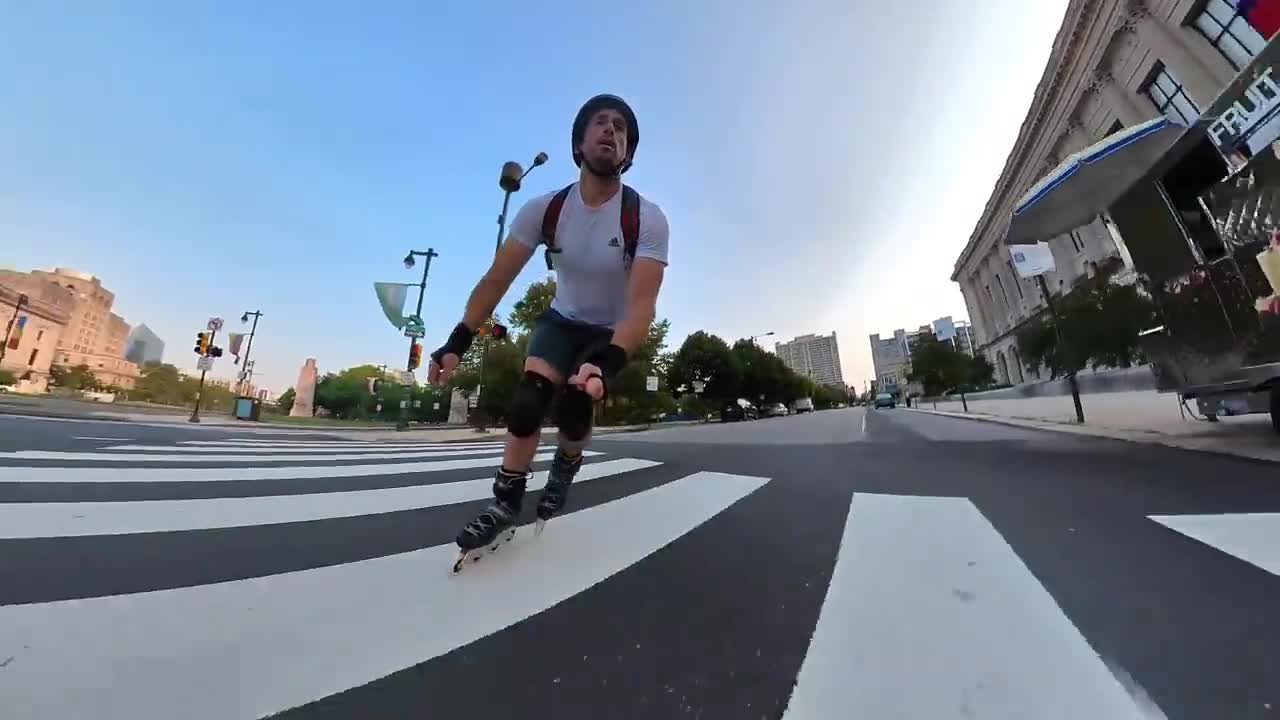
(204, 363)
(404, 404)
(215, 324)
(651, 383)
(417, 403)
(414, 327)
(435, 406)
(407, 378)
(699, 386)
(474, 400)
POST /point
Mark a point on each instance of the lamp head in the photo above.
(511, 175)
(408, 261)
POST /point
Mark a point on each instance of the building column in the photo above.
(977, 323)
(1171, 49)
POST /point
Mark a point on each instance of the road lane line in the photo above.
(331, 444)
(32, 520)
(930, 614)
(90, 437)
(1251, 537)
(180, 475)
(124, 457)
(251, 648)
(268, 450)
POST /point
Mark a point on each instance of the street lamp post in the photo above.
(403, 422)
(247, 373)
(510, 179)
(17, 308)
(753, 338)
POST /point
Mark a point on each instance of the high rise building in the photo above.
(814, 356)
(144, 346)
(94, 336)
(891, 358)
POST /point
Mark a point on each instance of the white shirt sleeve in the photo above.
(654, 233)
(526, 228)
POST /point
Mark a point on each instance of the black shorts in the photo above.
(565, 343)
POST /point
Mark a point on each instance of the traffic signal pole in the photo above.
(195, 413)
(403, 422)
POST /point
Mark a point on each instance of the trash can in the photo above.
(248, 408)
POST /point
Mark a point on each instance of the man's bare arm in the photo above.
(507, 264)
(642, 300)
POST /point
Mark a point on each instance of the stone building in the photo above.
(1114, 63)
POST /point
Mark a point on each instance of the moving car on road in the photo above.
(775, 410)
(885, 400)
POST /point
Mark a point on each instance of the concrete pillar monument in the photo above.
(305, 390)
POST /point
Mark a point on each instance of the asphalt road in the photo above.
(836, 565)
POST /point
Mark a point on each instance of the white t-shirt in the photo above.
(591, 279)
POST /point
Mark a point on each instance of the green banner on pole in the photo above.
(392, 297)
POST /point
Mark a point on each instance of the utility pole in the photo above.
(1064, 349)
(17, 308)
(403, 422)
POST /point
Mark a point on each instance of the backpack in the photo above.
(630, 223)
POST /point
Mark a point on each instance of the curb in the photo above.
(1138, 437)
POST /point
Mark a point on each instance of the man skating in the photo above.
(608, 246)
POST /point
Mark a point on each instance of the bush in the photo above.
(7, 378)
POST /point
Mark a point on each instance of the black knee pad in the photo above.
(574, 415)
(529, 405)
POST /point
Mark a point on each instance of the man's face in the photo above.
(604, 144)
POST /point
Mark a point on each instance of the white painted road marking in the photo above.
(1252, 537)
(135, 475)
(250, 648)
(262, 450)
(332, 444)
(31, 520)
(256, 458)
(89, 437)
(930, 614)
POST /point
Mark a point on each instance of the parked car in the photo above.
(885, 400)
(738, 410)
(803, 405)
(775, 410)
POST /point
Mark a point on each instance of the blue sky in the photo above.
(821, 165)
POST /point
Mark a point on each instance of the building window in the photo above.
(32, 360)
(1222, 22)
(1017, 283)
(1003, 294)
(1169, 96)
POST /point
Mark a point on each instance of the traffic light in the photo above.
(215, 351)
(499, 331)
(415, 356)
(202, 343)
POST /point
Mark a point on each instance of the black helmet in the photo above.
(595, 105)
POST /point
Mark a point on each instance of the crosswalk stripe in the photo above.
(124, 457)
(331, 444)
(269, 450)
(32, 520)
(249, 648)
(930, 614)
(136, 475)
(1252, 537)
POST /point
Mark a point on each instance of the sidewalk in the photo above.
(1129, 419)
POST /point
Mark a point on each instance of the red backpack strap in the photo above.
(630, 222)
(550, 218)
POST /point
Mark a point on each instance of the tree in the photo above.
(79, 377)
(706, 358)
(286, 400)
(7, 378)
(537, 299)
(629, 399)
(938, 366)
(343, 396)
(163, 384)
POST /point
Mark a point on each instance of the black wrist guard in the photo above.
(610, 359)
(458, 343)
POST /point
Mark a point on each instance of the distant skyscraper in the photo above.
(815, 356)
(144, 346)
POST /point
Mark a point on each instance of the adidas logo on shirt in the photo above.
(614, 243)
